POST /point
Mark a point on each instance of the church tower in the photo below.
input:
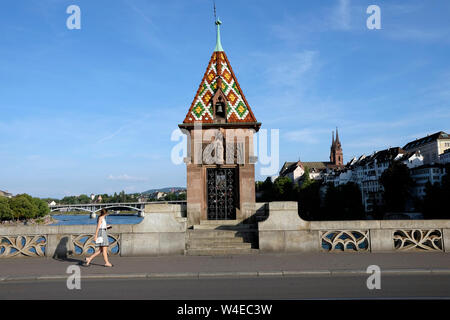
(336, 153)
(220, 163)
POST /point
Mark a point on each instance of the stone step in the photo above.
(218, 245)
(216, 240)
(221, 234)
(221, 251)
(219, 222)
(224, 227)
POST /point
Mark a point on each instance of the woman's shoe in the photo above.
(108, 266)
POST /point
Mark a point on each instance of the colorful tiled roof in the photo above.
(237, 107)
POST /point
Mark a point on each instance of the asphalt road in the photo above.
(315, 287)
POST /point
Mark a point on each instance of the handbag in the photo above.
(99, 240)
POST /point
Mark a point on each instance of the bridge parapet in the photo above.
(159, 233)
(285, 231)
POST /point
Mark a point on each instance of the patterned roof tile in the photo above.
(201, 109)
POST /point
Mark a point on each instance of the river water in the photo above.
(77, 219)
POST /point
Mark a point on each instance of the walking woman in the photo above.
(101, 239)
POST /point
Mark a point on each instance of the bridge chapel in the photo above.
(220, 162)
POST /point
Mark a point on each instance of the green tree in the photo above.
(309, 201)
(332, 203)
(170, 197)
(307, 181)
(432, 201)
(284, 189)
(397, 184)
(42, 207)
(436, 197)
(266, 190)
(5, 210)
(69, 200)
(343, 202)
(84, 199)
(351, 207)
(23, 207)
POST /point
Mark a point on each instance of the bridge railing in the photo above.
(284, 231)
(161, 232)
(118, 204)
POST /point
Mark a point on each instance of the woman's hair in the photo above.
(103, 212)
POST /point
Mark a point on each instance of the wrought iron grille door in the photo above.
(221, 193)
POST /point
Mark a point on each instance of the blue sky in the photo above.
(92, 110)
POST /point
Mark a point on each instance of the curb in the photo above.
(211, 275)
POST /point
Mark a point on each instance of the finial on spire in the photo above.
(218, 43)
(218, 23)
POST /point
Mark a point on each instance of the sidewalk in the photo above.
(307, 264)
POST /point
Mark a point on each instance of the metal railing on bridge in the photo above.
(96, 207)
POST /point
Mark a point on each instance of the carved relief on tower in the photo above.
(221, 147)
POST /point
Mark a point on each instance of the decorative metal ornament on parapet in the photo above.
(345, 240)
(14, 246)
(428, 240)
(84, 244)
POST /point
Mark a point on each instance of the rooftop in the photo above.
(219, 80)
(419, 142)
(385, 155)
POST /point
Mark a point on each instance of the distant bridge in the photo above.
(94, 208)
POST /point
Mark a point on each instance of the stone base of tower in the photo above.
(197, 192)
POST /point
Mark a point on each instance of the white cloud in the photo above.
(290, 69)
(340, 20)
(302, 26)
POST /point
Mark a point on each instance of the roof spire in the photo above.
(332, 138)
(337, 135)
(218, 44)
(218, 23)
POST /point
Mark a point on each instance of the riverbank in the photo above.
(46, 220)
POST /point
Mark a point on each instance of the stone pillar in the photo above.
(59, 246)
(246, 190)
(381, 240)
(195, 193)
(446, 239)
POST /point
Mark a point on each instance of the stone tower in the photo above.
(220, 163)
(336, 154)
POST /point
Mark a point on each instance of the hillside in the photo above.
(168, 189)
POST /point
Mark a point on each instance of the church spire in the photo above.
(336, 154)
(332, 139)
(337, 142)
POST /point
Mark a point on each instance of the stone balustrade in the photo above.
(285, 231)
(161, 232)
